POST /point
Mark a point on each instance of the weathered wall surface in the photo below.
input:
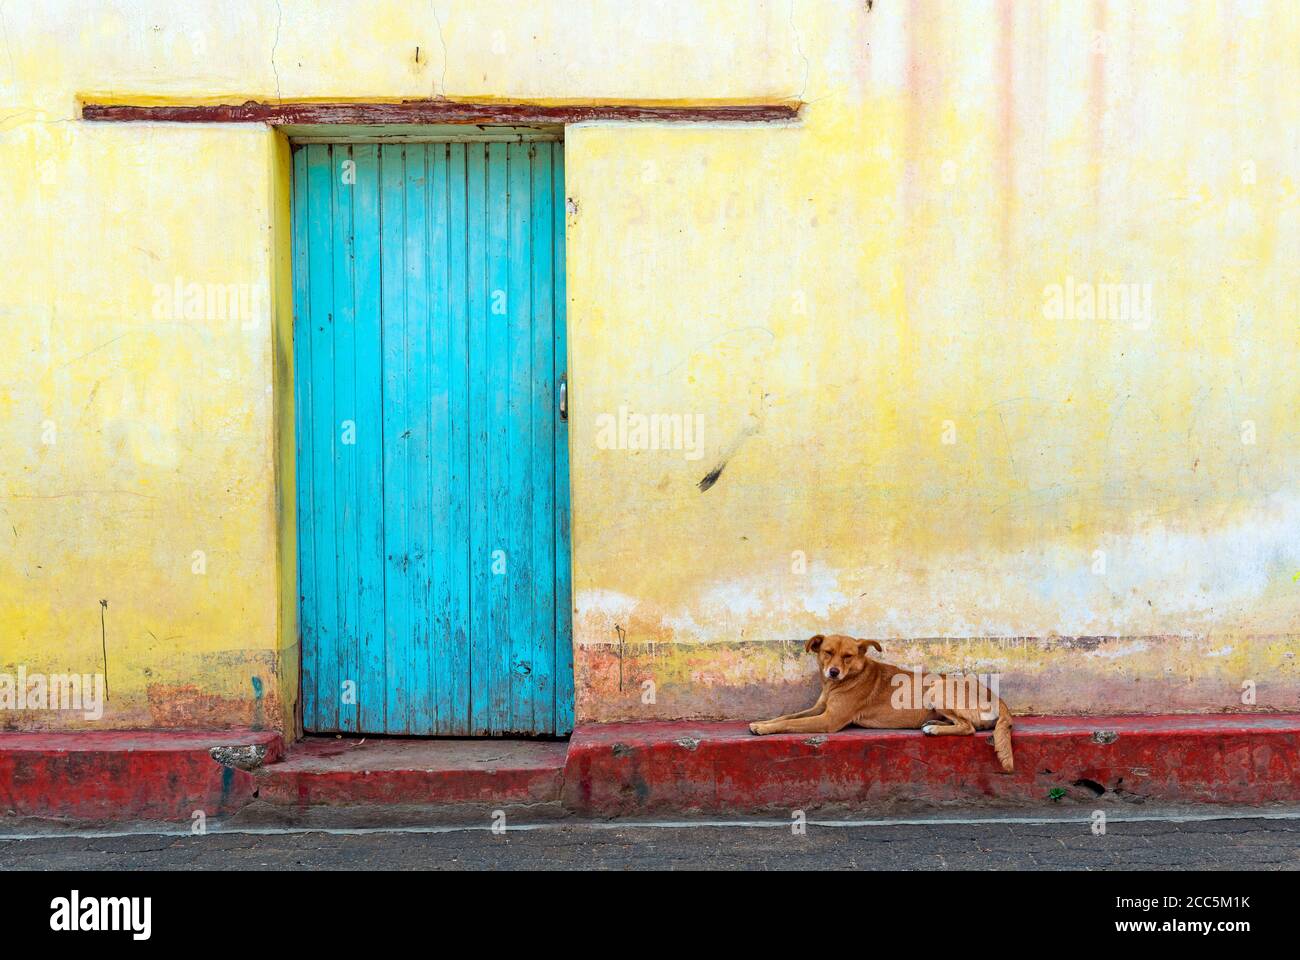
(137, 466)
(1113, 523)
(862, 312)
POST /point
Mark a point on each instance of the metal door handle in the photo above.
(564, 397)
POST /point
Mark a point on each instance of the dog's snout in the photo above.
(834, 672)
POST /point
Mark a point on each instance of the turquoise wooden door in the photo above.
(432, 464)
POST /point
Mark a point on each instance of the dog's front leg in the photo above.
(825, 722)
(812, 711)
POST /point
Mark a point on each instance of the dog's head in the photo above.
(839, 657)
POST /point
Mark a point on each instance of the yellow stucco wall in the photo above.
(919, 446)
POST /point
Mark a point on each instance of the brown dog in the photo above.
(857, 690)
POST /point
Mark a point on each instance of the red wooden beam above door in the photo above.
(436, 111)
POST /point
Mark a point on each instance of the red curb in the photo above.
(645, 768)
(639, 768)
(343, 771)
(125, 775)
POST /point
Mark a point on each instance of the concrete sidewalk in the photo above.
(654, 769)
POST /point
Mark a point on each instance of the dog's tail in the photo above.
(1002, 738)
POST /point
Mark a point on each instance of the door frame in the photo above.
(290, 136)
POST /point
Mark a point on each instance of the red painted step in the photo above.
(125, 775)
(721, 768)
(328, 772)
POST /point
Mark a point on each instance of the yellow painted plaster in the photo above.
(834, 298)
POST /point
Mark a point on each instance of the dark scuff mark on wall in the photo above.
(711, 477)
(749, 430)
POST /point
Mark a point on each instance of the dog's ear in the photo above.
(814, 643)
(863, 644)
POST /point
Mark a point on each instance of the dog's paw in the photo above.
(756, 728)
(929, 728)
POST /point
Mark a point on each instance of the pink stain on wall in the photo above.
(1006, 123)
(1099, 44)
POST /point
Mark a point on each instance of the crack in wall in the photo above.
(279, 17)
(433, 88)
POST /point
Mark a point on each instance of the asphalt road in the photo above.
(1159, 843)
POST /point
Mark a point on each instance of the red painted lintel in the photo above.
(435, 111)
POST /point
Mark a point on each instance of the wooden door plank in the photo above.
(420, 492)
(479, 414)
(498, 345)
(309, 644)
(542, 441)
(444, 494)
(371, 667)
(563, 572)
(460, 439)
(397, 584)
(325, 433)
(345, 462)
(518, 322)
